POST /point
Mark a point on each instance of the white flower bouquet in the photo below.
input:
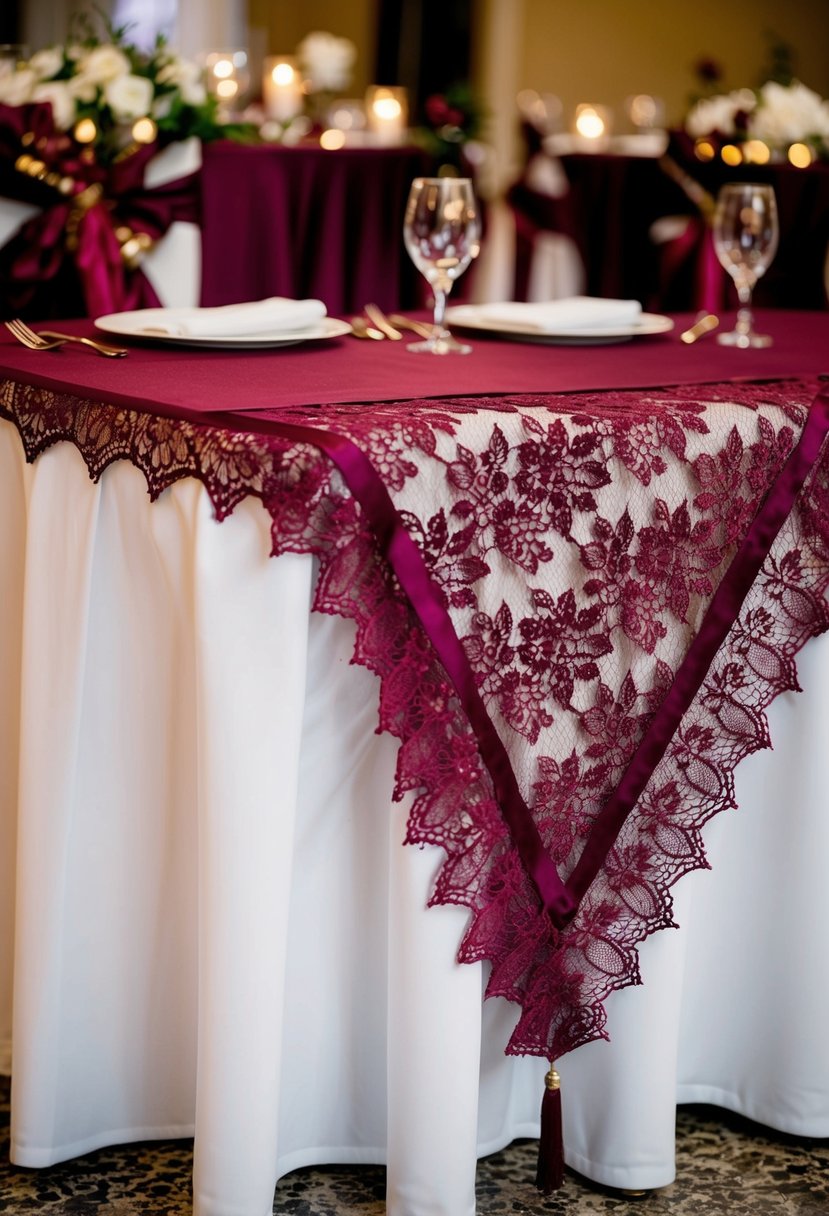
(107, 94)
(777, 114)
(326, 61)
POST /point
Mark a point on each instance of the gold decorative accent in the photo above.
(126, 152)
(552, 1080)
(134, 247)
(88, 198)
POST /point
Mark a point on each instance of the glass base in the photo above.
(440, 344)
(739, 337)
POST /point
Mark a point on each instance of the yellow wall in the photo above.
(587, 50)
(284, 23)
(605, 50)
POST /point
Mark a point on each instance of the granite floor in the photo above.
(726, 1166)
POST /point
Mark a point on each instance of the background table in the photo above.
(610, 204)
(295, 221)
(204, 875)
(303, 221)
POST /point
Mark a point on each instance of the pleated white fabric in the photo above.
(208, 924)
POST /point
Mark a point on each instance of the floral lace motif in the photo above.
(577, 541)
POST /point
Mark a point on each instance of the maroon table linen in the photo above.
(303, 221)
(575, 540)
(184, 382)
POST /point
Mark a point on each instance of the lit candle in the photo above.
(282, 97)
(592, 122)
(387, 111)
(227, 79)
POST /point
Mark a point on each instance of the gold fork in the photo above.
(382, 322)
(49, 339)
(423, 328)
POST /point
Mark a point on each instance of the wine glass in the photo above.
(746, 232)
(442, 234)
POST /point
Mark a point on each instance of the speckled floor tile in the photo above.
(726, 1166)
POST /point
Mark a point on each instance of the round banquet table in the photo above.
(305, 221)
(211, 924)
(610, 205)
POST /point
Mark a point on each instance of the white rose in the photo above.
(63, 103)
(47, 63)
(129, 97)
(16, 87)
(785, 115)
(327, 60)
(82, 88)
(179, 72)
(162, 105)
(193, 93)
(103, 63)
(718, 113)
(709, 115)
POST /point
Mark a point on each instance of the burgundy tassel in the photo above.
(550, 1174)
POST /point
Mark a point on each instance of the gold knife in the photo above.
(701, 327)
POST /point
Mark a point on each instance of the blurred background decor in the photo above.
(452, 120)
(80, 123)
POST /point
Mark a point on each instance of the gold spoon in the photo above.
(703, 325)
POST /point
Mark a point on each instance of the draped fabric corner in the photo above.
(576, 543)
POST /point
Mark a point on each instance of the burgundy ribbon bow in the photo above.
(693, 250)
(71, 245)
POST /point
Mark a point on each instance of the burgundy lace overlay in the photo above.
(577, 541)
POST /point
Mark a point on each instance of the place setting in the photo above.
(259, 325)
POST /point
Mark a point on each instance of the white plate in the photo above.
(464, 316)
(131, 325)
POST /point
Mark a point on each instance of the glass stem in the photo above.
(745, 321)
(440, 308)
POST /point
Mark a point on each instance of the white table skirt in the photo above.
(211, 924)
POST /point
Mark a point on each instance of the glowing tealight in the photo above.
(387, 108)
(227, 89)
(223, 68)
(144, 131)
(283, 74)
(800, 155)
(704, 149)
(731, 155)
(332, 139)
(85, 131)
(757, 152)
(589, 123)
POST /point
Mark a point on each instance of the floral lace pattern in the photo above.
(576, 540)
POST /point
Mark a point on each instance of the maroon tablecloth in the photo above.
(535, 577)
(185, 382)
(303, 221)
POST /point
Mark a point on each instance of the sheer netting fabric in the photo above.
(576, 541)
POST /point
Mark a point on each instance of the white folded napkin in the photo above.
(272, 316)
(553, 316)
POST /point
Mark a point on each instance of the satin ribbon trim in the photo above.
(395, 544)
(561, 900)
(721, 614)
